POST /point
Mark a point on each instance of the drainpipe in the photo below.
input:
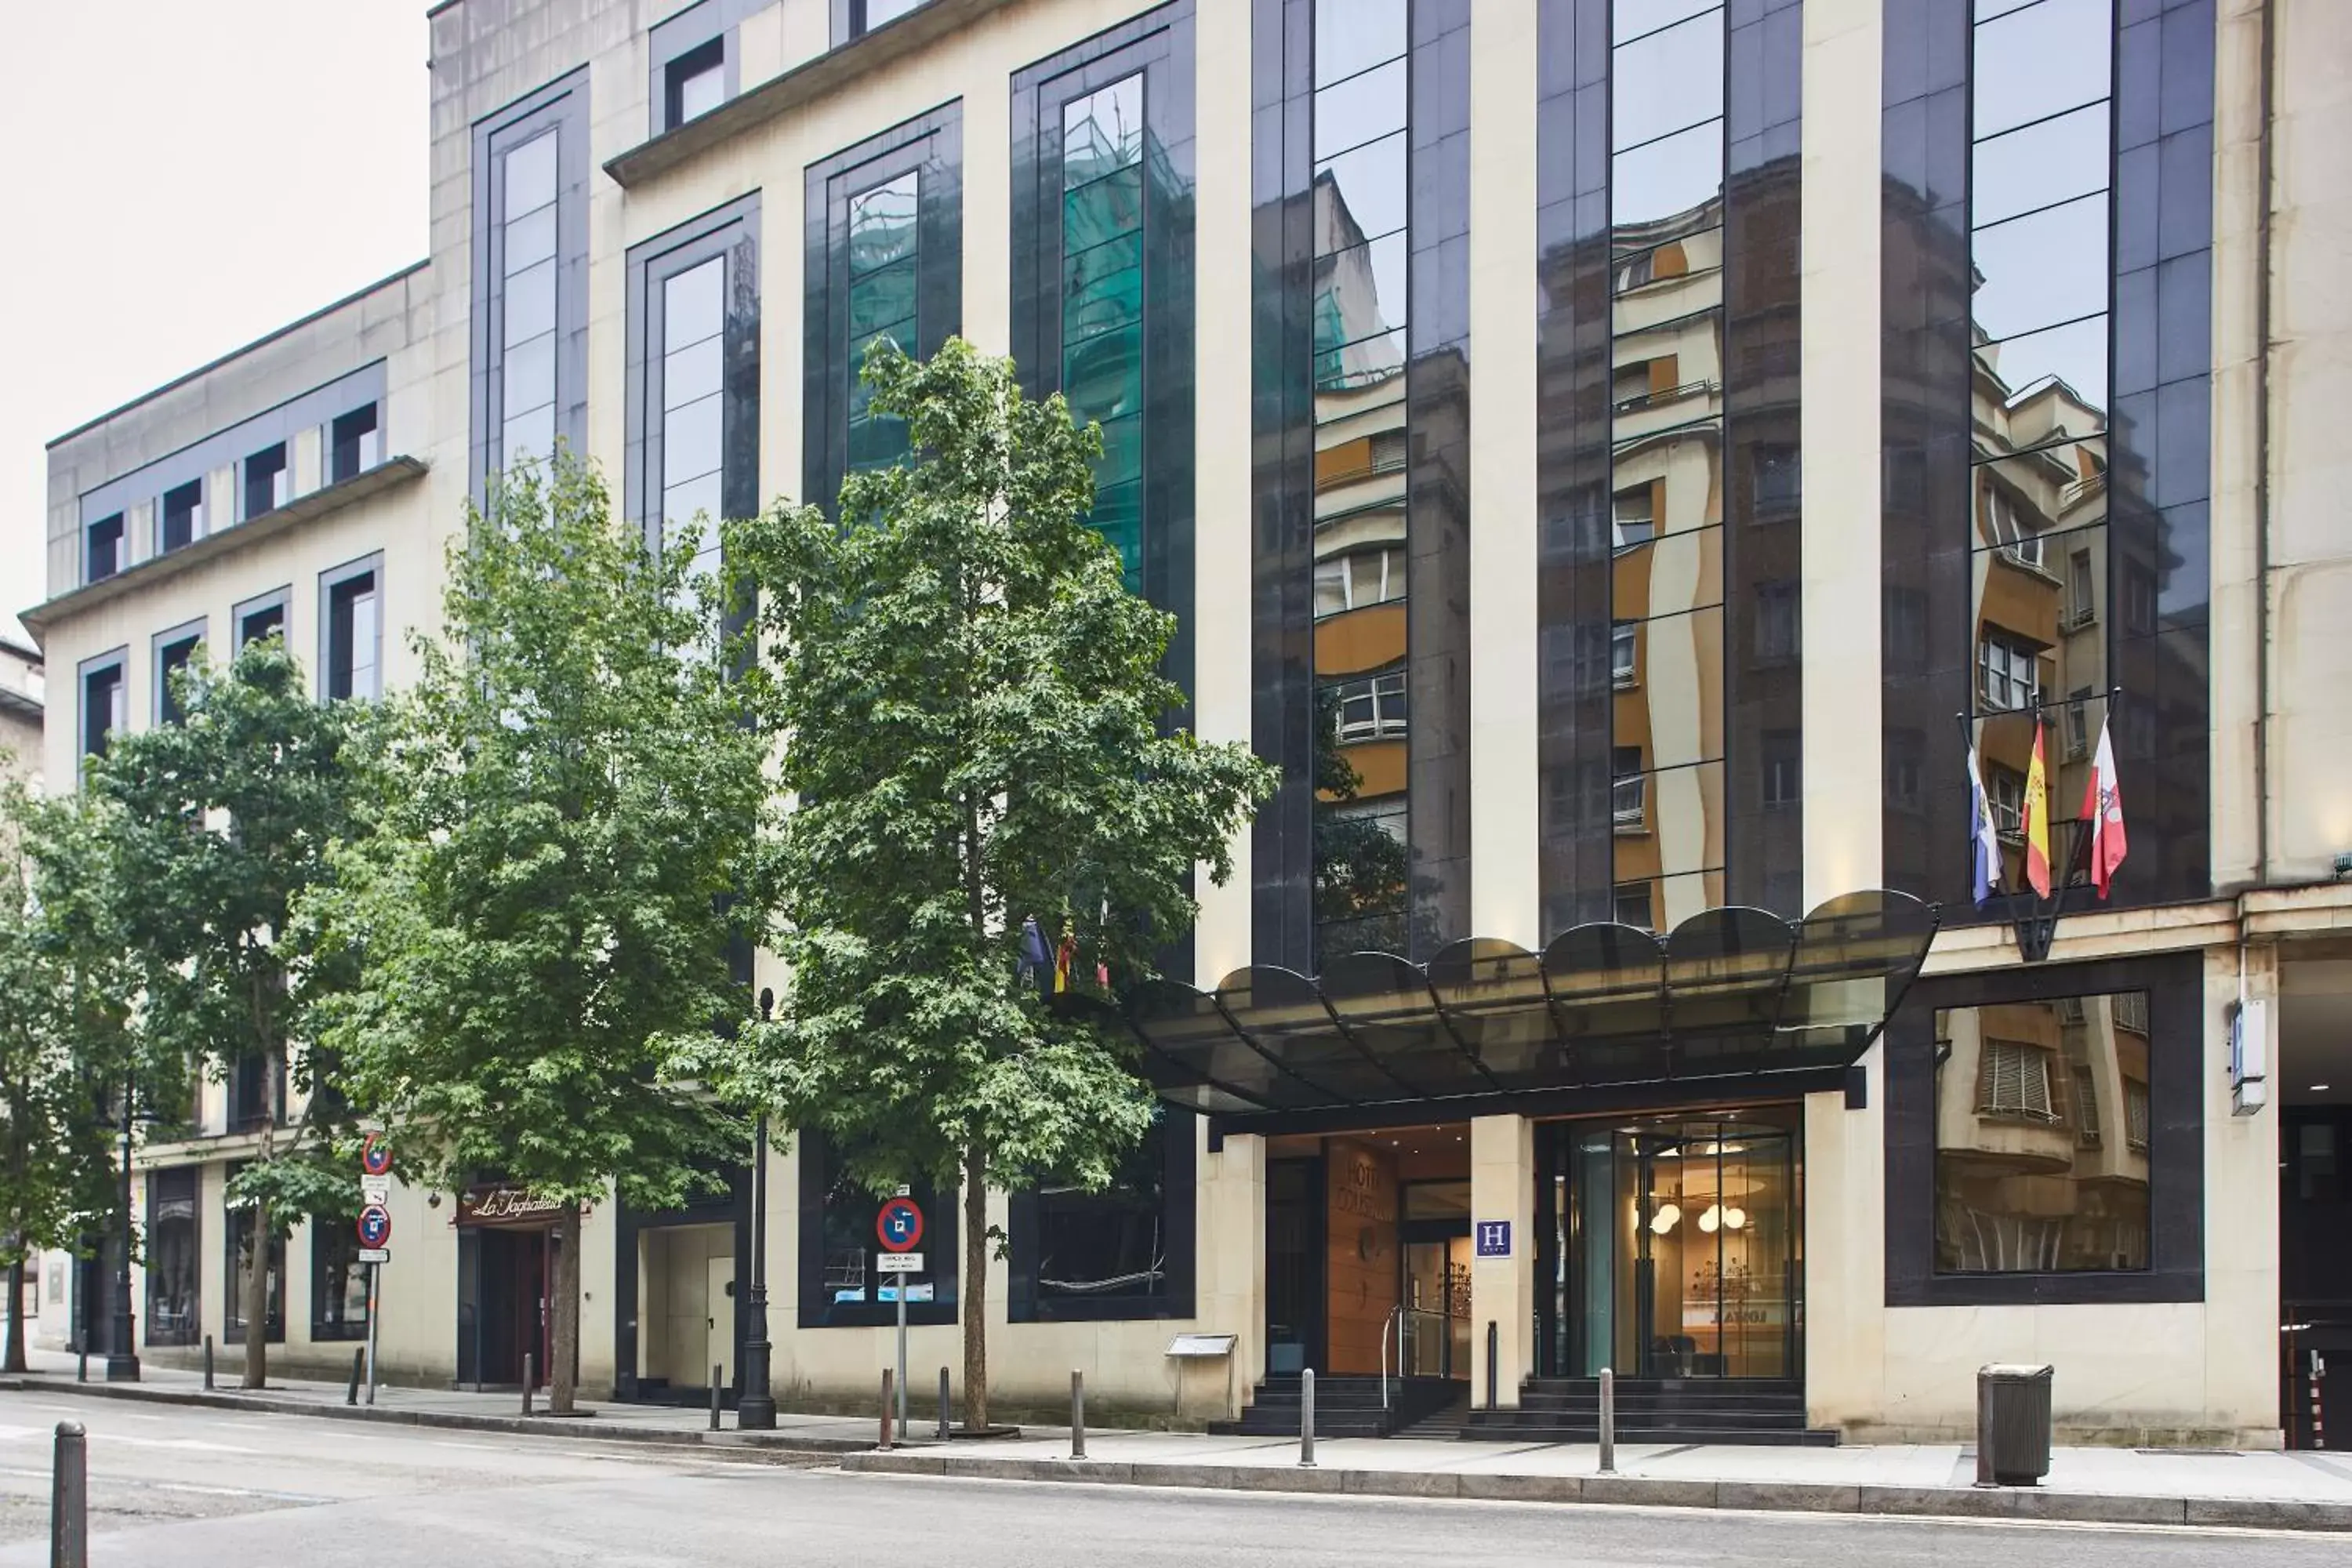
(2262, 148)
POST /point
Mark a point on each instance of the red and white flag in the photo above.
(2102, 808)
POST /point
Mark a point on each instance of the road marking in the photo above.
(193, 1487)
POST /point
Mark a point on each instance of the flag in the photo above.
(2037, 818)
(1065, 957)
(2102, 810)
(1984, 846)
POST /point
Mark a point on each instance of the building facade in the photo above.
(1626, 462)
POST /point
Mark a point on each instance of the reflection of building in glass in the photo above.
(2042, 1135)
(1104, 166)
(883, 259)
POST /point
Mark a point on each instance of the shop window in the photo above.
(172, 1270)
(238, 1271)
(842, 1284)
(1123, 1252)
(339, 1282)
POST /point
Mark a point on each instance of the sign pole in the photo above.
(375, 1290)
(899, 1227)
(902, 1350)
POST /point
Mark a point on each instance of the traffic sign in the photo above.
(376, 1255)
(375, 1190)
(375, 1156)
(899, 1225)
(375, 1226)
(899, 1263)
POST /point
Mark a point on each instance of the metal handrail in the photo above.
(1395, 1320)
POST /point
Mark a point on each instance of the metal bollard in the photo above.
(81, 1366)
(208, 1363)
(70, 1498)
(529, 1381)
(887, 1408)
(1608, 1420)
(1307, 1416)
(715, 1374)
(1493, 1376)
(944, 1428)
(359, 1365)
(1077, 1415)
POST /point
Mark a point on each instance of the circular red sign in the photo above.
(899, 1225)
(375, 1226)
(376, 1155)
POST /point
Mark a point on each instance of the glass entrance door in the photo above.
(1670, 1249)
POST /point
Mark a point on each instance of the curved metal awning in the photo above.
(1730, 1000)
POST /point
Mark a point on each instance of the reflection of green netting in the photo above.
(1102, 300)
(883, 257)
(1331, 333)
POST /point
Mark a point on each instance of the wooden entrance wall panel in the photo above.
(1362, 1265)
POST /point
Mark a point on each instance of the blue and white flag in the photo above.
(1984, 846)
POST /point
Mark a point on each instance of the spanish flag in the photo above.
(2037, 818)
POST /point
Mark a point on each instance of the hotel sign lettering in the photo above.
(505, 1205)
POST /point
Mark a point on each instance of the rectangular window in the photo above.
(2081, 601)
(173, 1272)
(2078, 722)
(2005, 793)
(1780, 481)
(529, 245)
(1624, 654)
(339, 1283)
(182, 518)
(1783, 768)
(260, 617)
(249, 1087)
(1369, 575)
(1628, 789)
(841, 1285)
(102, 549)
(237, 1260)
(268, 482)
(1633, 516)
(1776, 621)
(1123, 1252)
(694, 83)
(173, 650)
(1372, 709)
(352, 624)
(856, 18)
(1631, 905)
(1103, 243)
(355, 444)
(2008, 673)
(2024, 1184)
(102, 698)
(1905, 751)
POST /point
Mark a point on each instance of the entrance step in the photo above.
(1659, 1410)
(1345, 1406)
(1448, 1423)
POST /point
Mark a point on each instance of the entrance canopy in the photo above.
(1728, 1001)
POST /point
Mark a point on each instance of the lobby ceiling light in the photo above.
(1712, 1218)
(1668, 1216)
(2319, 1088)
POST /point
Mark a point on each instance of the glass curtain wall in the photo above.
(884, 254)
(1358, 316)
(1103, 150)
(2041, 113)
(1667, 804)
(527, 288)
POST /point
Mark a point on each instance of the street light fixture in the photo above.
(755, 1407)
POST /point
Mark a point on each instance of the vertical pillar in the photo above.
(1502, 1287)
(1229, 1282)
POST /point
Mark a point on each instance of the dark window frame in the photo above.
(850, 20)
(332, 582)
(194, 514)
(192, 1178)
(234, 1223)
(333, 445)
(243, 610)
(695, 28)
(248, 472)
(190, 635)
(114, 661)
(1180, 1200)
(120, 552)
(2178, 1078)
(942, 1241)
(332, 1241)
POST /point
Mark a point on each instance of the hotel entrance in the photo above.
(1670, 1248)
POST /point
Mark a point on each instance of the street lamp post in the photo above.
(122, 1360)
(755, 1405)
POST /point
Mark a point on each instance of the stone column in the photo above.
(1502, 1289)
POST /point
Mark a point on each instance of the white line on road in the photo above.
(191, 1487)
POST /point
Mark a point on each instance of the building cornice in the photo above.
(389, 474)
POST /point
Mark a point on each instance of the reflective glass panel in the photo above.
(2040, 60)
(1668, 177)
(1353, 36)
(882, 223)
(2046, 267)
(531, 176)
(1669, 80)
(1360, 193)
(529, 303)
(2040, 166)
(1359, 110)
(1102, 131)
(693, 302)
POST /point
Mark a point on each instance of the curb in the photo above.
(776, 1448)
(2023, 1504)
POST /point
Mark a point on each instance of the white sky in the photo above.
(188, 175)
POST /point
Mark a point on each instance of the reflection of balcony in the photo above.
(1656, 399)
(2089, 487)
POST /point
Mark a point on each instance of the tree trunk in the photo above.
(971, 1289)
(15, 1362)
(256, 1289)
(563, 1336)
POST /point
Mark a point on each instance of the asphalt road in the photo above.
(172, 1486)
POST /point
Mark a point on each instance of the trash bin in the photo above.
(2012, 1425)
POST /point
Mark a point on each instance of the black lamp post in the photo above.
(755, 1407)
(122, 1360)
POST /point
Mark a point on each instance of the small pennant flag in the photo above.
(1984, 845)
(2103, 809)
(2037, 818)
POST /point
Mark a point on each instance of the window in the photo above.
(1906, 610)
(2008, 673)
(841, 1285)
(2131, 1011)
(1123, 1252)
(1776, 621)
(2011, 529)
(102, 698)
(530, 244)
(1102, 345)
(2139, 600)
(1630, 905)
(856, 18)
(2005, 793)
(260, 617)
(1624, 654)
(2025, 1184)
(2013, 1080)
(339, 1283)
(352, 624)
(1780, 481)
(182, 517)
(1628, 789)
(173, 1271)
(1783, 768)
(173, 651)
(2082, 602)
(694, 83)
(2078, 722)
(529, 178)
(102, 549)
(1633, 516)
(1372, 709)
(693, 402)
(249, 1086)
(238, 1273)
(1370, 574)
(269, 483)
(355, 444)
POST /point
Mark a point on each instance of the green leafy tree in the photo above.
(214, 826)
(973, 717)
(542, 919)
(65, 1040)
